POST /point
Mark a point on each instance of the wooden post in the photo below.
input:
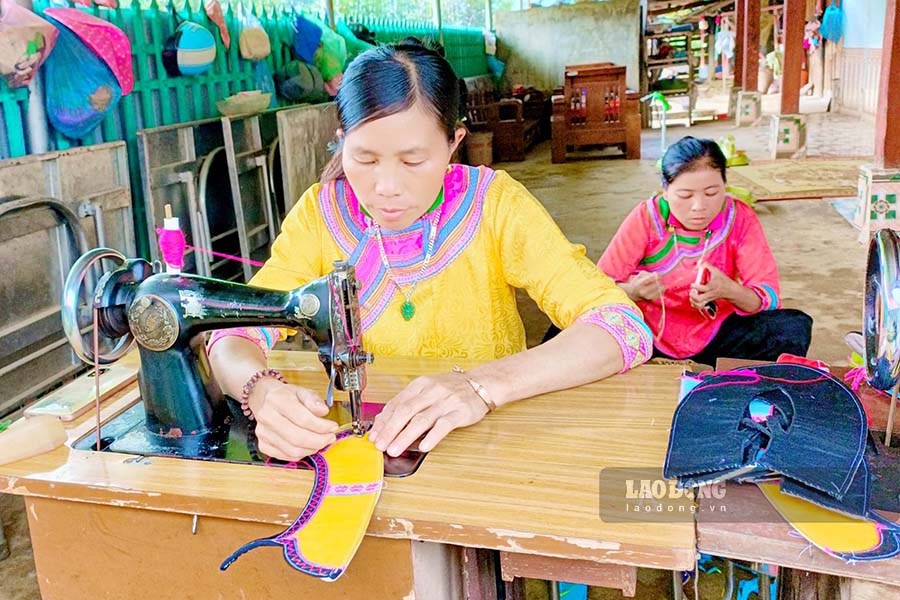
(750, 81)
(329, 13)
(794, 20)
(887, 125)
(739, 18)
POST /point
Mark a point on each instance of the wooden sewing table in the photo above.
(525, 481)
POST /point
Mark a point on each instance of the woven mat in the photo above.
(793, 179)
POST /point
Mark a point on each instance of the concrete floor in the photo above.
(821, 264)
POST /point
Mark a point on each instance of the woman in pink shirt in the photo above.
(697, 263)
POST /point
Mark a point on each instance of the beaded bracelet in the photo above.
(479, 389)
(251, 383)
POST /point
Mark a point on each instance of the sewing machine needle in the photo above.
(355, 410)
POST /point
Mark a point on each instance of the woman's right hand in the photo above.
(643, 286)
(289, 423)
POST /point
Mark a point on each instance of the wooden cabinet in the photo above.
(595, 108)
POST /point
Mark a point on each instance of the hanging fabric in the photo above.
(104, 39)
(81, 88)
(832, 28)
(214, 13)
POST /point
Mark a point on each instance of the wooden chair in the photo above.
(482, 115)
(595, 109)
(482, 111)
(515, 125)
(514, 134)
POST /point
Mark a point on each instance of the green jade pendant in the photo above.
(407, 310)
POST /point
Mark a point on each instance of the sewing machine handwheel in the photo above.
(881, 320)
(71, 302)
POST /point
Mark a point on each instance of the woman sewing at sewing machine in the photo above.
(697, 263)
(439, 249)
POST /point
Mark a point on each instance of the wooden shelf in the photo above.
(681, 41)
(658, 62)
(656, 36)
(674, 92)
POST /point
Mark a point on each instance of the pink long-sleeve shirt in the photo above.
(651, 239)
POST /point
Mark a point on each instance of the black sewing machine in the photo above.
(183, 411)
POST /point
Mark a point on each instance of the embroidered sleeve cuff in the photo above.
(625, 324)
(767, 296)
(264, 337)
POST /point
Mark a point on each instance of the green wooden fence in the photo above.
(463, 47)
(159, 99)
(14, 108)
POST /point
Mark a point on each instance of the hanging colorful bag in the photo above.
(254, 41)
(104, 39)
(81, 88)
(832, 28)
(25, 43)
(331, 55)
(307, 36)
(301, 82)
(190, 51)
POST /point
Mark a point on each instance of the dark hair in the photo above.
(691, 154)
(389, 79)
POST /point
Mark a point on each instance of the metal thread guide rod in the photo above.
(96, 374)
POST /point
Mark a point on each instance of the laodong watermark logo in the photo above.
(642, 495)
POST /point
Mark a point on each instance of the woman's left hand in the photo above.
(718, 286)
(436, 404)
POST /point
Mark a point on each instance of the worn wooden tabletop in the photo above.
(525, 479)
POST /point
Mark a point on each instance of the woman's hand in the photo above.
(643, 286)
(717, 286)
(289, 423)
(436, 404)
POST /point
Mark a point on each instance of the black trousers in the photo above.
(763, 336)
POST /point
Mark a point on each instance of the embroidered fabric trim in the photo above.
(264, 337)
(630, 331)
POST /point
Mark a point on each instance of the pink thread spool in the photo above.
(171, 242)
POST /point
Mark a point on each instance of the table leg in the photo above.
(677, 590)
(4, 546)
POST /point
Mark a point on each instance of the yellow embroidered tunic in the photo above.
(492, 236)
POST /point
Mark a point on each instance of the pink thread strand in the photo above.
(752, 378)
(239, 259)
(172, 246)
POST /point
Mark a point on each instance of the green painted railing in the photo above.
(14, 109)
(463, 47)
(159, 100)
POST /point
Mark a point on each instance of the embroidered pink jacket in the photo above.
(650, 239)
